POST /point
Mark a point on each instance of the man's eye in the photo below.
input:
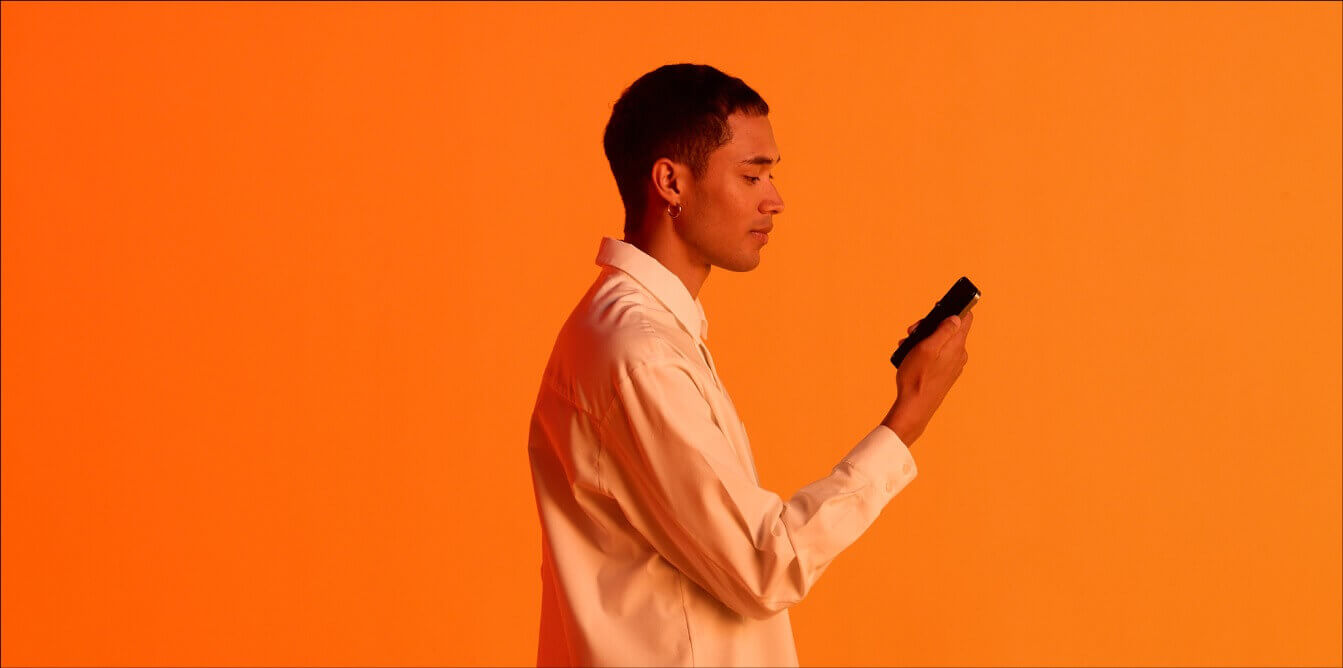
(753, 179)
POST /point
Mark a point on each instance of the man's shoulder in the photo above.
(615, 327)
(622, 325)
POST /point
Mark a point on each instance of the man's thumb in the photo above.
(944, 332)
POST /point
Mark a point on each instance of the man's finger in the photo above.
(964, 331)
(940, 336)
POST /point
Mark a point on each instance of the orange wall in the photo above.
(279, 281)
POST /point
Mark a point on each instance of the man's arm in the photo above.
(677, 478)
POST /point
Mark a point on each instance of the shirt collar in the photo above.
(657, 279)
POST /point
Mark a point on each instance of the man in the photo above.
(659, 547)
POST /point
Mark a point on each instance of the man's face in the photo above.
(735, 196)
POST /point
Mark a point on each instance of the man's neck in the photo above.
(673, 253)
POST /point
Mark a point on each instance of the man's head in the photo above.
(692, 136)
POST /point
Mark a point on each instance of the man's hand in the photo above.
(925, 376)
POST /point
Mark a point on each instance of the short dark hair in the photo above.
(676, 111)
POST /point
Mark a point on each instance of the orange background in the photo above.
(279, 281)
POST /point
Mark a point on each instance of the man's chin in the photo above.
(744, 263)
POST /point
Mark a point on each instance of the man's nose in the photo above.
(772, 206)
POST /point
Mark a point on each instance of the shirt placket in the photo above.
(704, 350)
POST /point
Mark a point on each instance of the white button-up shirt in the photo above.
(658, 544)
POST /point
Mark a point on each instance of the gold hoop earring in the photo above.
(678, 210)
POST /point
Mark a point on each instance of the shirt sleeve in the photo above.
(676, 476)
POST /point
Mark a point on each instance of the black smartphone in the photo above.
(959, 299)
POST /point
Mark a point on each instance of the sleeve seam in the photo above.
(592, 417)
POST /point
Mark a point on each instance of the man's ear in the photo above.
(666, 178)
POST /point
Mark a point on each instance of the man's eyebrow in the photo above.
(761, 160)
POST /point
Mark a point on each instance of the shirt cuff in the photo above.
(884, 459)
